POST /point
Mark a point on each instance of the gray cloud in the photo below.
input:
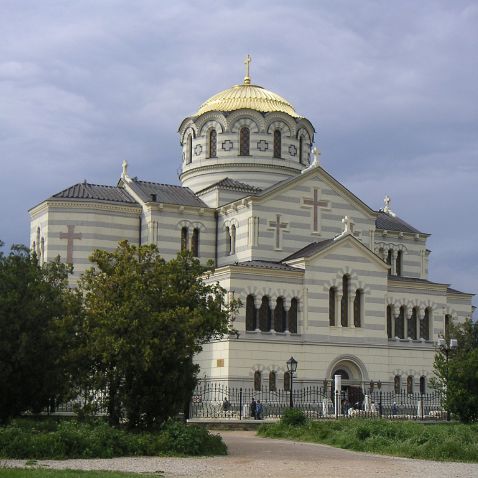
(391, 88)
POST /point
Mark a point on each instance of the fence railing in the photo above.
(216, 400)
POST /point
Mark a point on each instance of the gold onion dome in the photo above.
(253, 97)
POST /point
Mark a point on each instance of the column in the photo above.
(338, 309)
(394, 263)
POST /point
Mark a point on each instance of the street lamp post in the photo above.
(446, 349)
(291, 367)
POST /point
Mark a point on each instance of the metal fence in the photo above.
(216, 400)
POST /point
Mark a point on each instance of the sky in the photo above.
(391, 88)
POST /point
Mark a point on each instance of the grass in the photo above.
(42, 473)
(52, 439)
(438, 442)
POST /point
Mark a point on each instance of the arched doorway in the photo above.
(353, 374)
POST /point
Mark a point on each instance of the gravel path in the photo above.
(254, 457)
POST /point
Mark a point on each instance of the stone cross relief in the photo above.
(70, 236)
(316, 205)
(278, 226)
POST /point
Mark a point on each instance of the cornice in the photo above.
(133, 209)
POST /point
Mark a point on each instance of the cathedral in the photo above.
(322, 276)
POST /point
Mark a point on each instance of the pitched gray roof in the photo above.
(449, 290)
(166, 193)
(309, 250)
(266, 265)
(95, 192)
(390, 223)
(228, 183)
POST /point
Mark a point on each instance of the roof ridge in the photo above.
(161, 184)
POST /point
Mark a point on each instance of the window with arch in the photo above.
(244, 141)
(279, 315)
(277, 144)
(272, 381)
(292, 315)
(233, 240)
(286, 381)
(423, 384)
(358, 306)
(251, 313)
(400, 324)
(344, 306)
(425, 325)
(301, 150)
(410, 384)
(212, 143)
(389, 322)
(447, 325)
(332, 299)
(399, 263)
(257, 381)
(412, 324)
(397, 384)
(389, 260)
(265, 315)
(189, 149)
(228, 241)
(195, 242)
(184, 239)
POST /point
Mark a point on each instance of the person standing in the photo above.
(252, 408)
(259, 410)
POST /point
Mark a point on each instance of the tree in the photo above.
(142, 322)
(457, 376)
(34, 305)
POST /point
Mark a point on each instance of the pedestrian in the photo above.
(252, 408)
(373, 408)
(259, 410)
(394, 408)
(226, 405)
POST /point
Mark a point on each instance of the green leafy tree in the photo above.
(457, 375)
(142, 322)
(34, 304)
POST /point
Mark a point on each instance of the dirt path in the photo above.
(254, 457)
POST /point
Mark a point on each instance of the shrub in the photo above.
(72, 439)
(293, 417)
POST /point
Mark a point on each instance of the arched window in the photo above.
(265, 315)
(244, 140)
(412, 324)
(286, 381)
(195, 242)
(389, 322)
(292, 315)
(272, 381)
(301, 150)
(389, 260)
(400, 324)
(396, 384)
(257, 381)
(228, 241)
(332, 299)
(344, 306)
(447, 326)
(279, 315)
(423, 384)
(425, 325)
(358, 308)
(184, 239)
(277, 144)
(251, 313)
(233, 240)
(410, 384)
(212, 143)
(189, 150)
(398, 263)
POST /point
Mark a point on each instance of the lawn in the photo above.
(439, 442)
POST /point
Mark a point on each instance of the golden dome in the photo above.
(248, 96)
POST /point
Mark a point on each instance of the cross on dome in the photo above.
(247, 62)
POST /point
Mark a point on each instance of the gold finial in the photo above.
(247, 61)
